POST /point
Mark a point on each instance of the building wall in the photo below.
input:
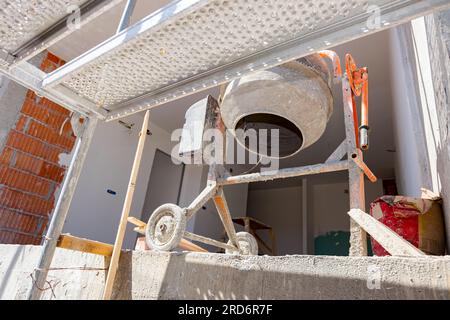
(411, 168)
(281, 209)
(438, 40)
(35, 134)
(420, 76)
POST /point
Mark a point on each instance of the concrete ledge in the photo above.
(151, 275)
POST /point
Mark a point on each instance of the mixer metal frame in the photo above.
(218, 176)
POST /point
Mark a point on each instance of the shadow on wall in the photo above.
(13, 263)
(213, 276)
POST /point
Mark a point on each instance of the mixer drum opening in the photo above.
(290, 137)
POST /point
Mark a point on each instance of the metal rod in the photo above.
(126, 15)
(215, 243)
(201, 199)
(362, 165)
(305, 215)
(358, 237)
(364, 128)
(286, 173)
(225, 216)
(339, 153)
(189, 246)
(61, 209)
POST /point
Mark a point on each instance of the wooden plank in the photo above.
(126, 210)
(70, 242)
(388, 239)
(136, 222)
(187, 245)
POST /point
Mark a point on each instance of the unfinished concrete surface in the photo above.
(151, 275)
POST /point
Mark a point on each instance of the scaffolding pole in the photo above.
(58, 218)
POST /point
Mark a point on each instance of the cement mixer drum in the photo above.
(295, 98)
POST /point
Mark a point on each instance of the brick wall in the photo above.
(29, 170)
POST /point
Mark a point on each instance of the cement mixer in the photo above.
(295, 99)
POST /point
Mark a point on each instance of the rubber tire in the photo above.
(178, 231)
(249, 243)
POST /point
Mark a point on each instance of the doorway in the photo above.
(164, 185)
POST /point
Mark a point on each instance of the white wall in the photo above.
(281, 209)
(327, 207)
(413, 162)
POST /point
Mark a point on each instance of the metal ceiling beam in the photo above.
(60, 30)
(176, 8)
(126, 15)
(31, 78)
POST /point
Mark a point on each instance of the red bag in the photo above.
(418, 221)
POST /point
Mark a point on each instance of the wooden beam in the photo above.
(70, 242)
(126, 210)
(136, 222)
(187, 245)
(388, 239)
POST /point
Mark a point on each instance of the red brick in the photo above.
(24, 181)
(30, 94)
(29, 162)
(51, 136)
(48, 66)
(53, 106)
(21, 222)
(39, 167)
(21, 123)
(33, 146)
(46, 116)
(6, 155)
(57, 61)
(25, 202)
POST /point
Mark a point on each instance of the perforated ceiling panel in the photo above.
(21, 20)
(215, 34)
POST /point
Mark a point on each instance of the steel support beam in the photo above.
(126, 16)
(31, 78)
(286, 173)
(358, 237)
(62, 208)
